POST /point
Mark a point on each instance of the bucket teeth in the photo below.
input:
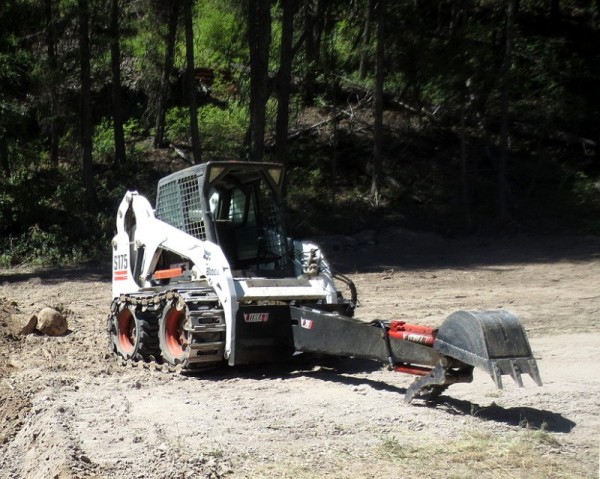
(514, 367)
(496, 374)
(534, 372)
(515, 373)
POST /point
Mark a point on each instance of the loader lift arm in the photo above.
(493, 341)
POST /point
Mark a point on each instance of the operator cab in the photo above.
(233, 204)
(244, 209)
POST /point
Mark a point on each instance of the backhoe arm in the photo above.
(493, 341)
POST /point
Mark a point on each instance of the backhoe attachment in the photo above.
(492, 340)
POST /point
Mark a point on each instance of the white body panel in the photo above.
(208, 264)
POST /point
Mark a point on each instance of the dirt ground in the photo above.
(69, 410)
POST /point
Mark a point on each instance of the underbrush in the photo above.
(44, 219)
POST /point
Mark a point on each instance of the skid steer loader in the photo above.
(210, 277)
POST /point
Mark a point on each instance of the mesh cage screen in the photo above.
(271, 222)
(236, 208)
(179, 205)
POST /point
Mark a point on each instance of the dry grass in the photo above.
(519, 454)
(530, 454)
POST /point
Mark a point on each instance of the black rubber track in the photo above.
(147, 327)
(145, 340)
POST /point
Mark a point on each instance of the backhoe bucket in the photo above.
(491, 340)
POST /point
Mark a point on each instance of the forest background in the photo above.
(459, 117)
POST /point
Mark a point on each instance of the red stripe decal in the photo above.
(120, 275)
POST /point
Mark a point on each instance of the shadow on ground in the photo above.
(406, 250)
(336, 370)
(52, 275)
(525, 417)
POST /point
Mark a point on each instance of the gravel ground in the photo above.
(69, 410)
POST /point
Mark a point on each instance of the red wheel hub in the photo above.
(174, 333)
(127, 333)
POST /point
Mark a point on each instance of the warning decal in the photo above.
(306, 323)
(256, 317)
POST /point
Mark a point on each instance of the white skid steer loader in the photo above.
(210, 277)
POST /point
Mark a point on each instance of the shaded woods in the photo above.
(457, 116)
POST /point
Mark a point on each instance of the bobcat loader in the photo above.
(210, 277)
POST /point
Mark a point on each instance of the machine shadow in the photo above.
(525, 417)
(332, 369)
(301, 364)
(336, 370)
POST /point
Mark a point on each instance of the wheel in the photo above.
(172, 336)
(134, 334)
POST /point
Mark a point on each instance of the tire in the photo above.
(172, 337)
(134, 334)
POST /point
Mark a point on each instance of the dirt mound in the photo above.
(14, 408)
(14, 403)
(8, 309)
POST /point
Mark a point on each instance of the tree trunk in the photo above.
(191, 83)
(335, 139)
(313, 27)
(259, 39)
(115, 63)
(333, 93)
(504, 119)
(4, 164)
(366, 40)
(53, 74)
(161, 111)
(86, 103)
(554, 11)
(464, 173)
(378, 103)
(284, 78)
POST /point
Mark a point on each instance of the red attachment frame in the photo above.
(168, 273)
(412, 332)
(410, 369)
